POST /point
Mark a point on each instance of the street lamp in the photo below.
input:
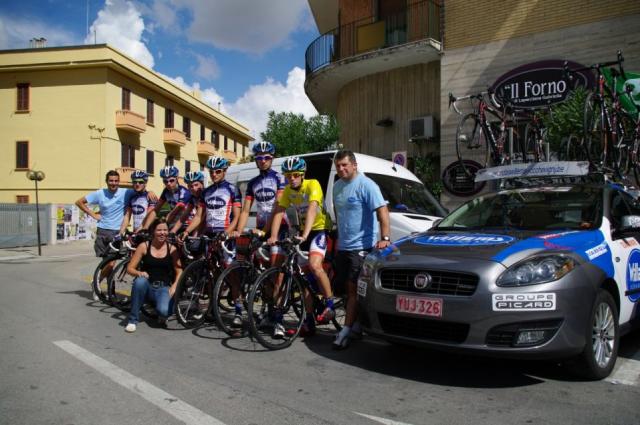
(37, 176)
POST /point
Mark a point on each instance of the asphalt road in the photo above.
(65, 359)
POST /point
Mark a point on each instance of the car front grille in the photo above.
(442, 282)
(425, 329)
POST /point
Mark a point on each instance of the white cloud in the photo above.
(245, 25)
(15, 33)
(252, 108)
(120, 25)
(207, 67)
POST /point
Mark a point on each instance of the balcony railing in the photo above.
(418, 21)
(130, 121)
(230, 155)
(174, 137)
(125, 175)
(206, 148)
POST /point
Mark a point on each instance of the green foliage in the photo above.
(426, 168)
(565, 119)
(293, 134)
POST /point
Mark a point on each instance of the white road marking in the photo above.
(16, 257)
(165, 401)
(628, 373)
(381, 420)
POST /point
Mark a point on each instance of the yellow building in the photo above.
(77, 112)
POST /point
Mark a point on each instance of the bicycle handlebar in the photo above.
(295, 244)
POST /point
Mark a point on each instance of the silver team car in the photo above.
(550, 270)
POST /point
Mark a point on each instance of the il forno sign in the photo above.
(540, 84)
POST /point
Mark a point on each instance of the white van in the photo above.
(412, 208)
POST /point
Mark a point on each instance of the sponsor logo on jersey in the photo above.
(463, 240)
(216, 203)
(138, 209)
(265, 194)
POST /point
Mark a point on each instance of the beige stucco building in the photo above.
(381, 64)
(77, 112)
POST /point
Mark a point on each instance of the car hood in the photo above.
(503, 247)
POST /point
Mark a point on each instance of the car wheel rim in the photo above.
(603, 336)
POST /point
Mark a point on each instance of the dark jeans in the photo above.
(141, 291)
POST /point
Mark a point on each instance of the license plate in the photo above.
(419, 305)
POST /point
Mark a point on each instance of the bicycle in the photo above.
(249, 263)
(100, 281)
(482, 135)
(194, 289)
(267, 303)
(120, 283)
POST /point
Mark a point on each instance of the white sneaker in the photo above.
(131, 327)
(342, 339)
(95, 296)
(278, 331)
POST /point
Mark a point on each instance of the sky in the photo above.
(246, 54)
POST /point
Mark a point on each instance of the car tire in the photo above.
(602, 340)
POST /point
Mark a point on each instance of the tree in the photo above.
(293, 134)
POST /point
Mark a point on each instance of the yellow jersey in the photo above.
(309, 191)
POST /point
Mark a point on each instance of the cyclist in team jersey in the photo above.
(195, 183)
(219, 210)
(305, 195)
(173, 194)
(139, 204)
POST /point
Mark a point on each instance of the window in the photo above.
(169, 160)
(22, 155)
(186, 127)
(23, 97)
(128, 156)
(225, 143)
(126, 99)
(187, 166)
(150, 106)
(214, 138)
(150, 162)
(168, 118)
(202, 131)
(22, 199)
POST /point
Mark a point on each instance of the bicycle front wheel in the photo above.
(594, 133)
(471, 142)
(100, 282)
(273, 306)
(193, 294)
(242, 275)
(120, 285)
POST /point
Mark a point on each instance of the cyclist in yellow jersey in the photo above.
(307, 198)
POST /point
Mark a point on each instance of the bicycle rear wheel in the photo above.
(243, 275)
(193, 294)
(120, 285)
(471, 142)
(268, 306)
(533, 147)
(595, 136)
(100, 281)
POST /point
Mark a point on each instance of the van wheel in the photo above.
(602, 340)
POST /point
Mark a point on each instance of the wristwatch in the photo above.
(386, 238)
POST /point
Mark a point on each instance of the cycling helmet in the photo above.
(194, 176)
(139, 175)
(261, 147)
(217, 163)
(295, 163)
(169, 171)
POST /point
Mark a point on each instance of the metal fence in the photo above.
(18, 225)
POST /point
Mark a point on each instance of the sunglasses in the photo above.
(218, 171)
(294, 175)
(169, 181)
(139, 182)
(264, 158)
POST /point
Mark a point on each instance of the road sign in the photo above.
(399, 158)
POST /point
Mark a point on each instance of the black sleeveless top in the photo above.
(159, 269)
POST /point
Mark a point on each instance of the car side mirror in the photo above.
(630, 222)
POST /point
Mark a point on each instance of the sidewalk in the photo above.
(67, 249)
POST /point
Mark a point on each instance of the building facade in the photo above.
(405, 73)
(77, 112)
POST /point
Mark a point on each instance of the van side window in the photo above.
(319, 169)
(618, 208)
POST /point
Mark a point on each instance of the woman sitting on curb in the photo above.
(157, 276)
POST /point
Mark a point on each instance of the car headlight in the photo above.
(538, 269)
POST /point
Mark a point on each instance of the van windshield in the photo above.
(407, 196)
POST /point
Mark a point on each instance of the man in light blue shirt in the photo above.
(360, 209)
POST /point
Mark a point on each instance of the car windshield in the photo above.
(571, 208)
(407, 196)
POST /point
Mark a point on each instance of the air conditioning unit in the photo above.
(421, 128)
